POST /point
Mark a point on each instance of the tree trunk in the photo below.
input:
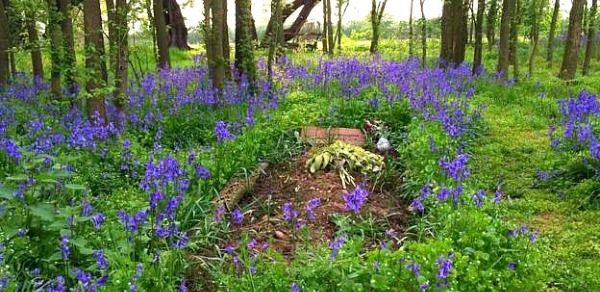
(152, 28)
(122, 54)
(478, 50)
(538, 10)
(504, 51)
(377, 10)
(208, 43)
(570, 58)
(4, 45)
(218, 76)
(331, 43)
(226, 47)
(277, 32)
(591, 38)
(68, 44)
(244, 52)
(514, 37)
(447, 35)
(460, 14)
(286, 11)
(423, 34)
(178, 32)
(491, 24)
(253, 32)
(54, 31)
(411, 34)
(112, 36)
(94, 42)
(552, 33)
(162, 39)
(34, 44)
(324, 39)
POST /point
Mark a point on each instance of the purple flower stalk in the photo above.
(237, 216)
(97, 220)
(102, 264)
(311, 206)
(222, 132)
(219, 214)
(356, 199)
(335, 246)
(64, 247)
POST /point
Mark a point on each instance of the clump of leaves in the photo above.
(344, 158)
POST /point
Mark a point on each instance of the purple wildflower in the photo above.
(417, 205)
(512, 265)
(415, 268)
(497, 197)
(97, 220)
(424, 286)
(295, 287)
(102, 264)
(237, 216)
(311, 206)
(356, 199)
(64, 247)
(289, 213)
(219, 214)
(222, 132)
(335, 246)
(376, 266)
(478, 198)
(86, 208)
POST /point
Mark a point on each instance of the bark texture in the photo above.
(504, 51)
(94, 60)
(478, 50)
(162, 39)
(34, 45)
(571, 55)
(377, 9)
(4, 45)
(552, 33)
(591, 38)
(178, 33)
(244, 51)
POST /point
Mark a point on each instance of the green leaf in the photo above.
(18, 177)
(44, 211)
(75, 187)
(7, 192)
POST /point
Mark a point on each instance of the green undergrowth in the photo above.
(514, 148)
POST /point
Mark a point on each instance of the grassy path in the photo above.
(514, 147)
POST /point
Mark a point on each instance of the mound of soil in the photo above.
(290, 182)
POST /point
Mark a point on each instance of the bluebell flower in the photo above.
(289, 213)
(219, 214)
(201, 172)
(97, 220)
(311, 206)
(221, 130)
(424, 286)
(100, 260)
(237, 216)
(415, 268)
(295, 287)
(376, 266)
(478, 198)
(64, 247)
(86, 208)
(512, 265)
(497, 197)
(355, 199)
(417, 205)
(335, 246)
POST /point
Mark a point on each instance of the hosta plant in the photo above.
(344, 158)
